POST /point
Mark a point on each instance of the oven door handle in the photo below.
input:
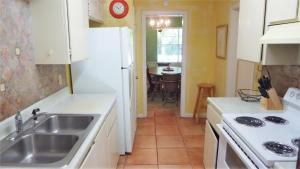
(236, 148)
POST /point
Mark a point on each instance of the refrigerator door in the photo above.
(129, 106)
(102, 72)
(127, 47)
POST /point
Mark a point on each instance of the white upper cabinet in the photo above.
(251, 29)
(96, 10)
(282, 11)
(59, 30)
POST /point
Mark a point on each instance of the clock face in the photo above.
(118, 8)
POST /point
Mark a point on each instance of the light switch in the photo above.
(2, 87)
(18, 51)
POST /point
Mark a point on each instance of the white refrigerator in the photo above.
(110, 68)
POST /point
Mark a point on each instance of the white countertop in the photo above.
(236, 105)
(63, 102)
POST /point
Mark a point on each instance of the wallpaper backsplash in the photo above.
(25, 82)
(284, 77)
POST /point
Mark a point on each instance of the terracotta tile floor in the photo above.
(165, 141)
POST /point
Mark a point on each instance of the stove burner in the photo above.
(275, 119)
(250, 121)
(280, 149)
(296, 142)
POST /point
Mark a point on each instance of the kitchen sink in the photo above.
(39, 149)
(64, 123)
(50, 142)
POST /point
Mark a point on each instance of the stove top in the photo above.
(272, 136)
(249, 121)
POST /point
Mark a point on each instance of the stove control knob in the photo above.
(292, 93)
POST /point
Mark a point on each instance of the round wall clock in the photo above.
(118, 8)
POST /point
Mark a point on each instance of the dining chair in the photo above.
(170, 86)
(154, 85)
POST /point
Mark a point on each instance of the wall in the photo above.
(151, 43)
(222, 13)
(25, 82)
(283, 77)
(200, 44)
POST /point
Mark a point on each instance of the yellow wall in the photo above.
(221, 9)
(200, 44)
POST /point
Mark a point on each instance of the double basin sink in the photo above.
(52, 142)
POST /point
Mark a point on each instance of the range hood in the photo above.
(282, 34)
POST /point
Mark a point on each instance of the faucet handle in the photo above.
(34, 112)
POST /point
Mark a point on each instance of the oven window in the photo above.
(232, 160)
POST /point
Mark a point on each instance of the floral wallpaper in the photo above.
(284, 77)
(25, 83)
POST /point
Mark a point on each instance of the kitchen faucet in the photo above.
(19, 122)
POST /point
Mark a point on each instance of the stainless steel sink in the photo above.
(39, 149)
(52, 143)
(64, 123)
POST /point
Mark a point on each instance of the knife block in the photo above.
(273, 102)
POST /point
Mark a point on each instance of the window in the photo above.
(169, 45)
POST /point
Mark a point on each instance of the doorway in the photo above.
(164, 40)
(240, 73)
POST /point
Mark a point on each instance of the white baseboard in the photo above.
(186, 114)
(141, 115)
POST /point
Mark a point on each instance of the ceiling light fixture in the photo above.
(159, 23)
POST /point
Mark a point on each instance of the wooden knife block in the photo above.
(273, 102)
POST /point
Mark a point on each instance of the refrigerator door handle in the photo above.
(124, 68)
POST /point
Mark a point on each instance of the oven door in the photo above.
(231, 156)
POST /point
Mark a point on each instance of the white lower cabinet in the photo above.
(104, 153)
(210, 147)
(113, 146)
(97, 157)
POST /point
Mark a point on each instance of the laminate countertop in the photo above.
(64, 102)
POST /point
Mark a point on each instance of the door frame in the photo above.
(231, 69)
(183, 64)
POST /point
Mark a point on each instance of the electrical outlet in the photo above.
(59, 79)
(2, 87)
(18, 51)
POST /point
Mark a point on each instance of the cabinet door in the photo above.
(96, 12)
(78, 28)
(251, 29)
(97, 156)
(282, 11)
(210, 147)
(50, 31)
(113, 151)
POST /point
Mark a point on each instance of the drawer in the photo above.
(213, 117)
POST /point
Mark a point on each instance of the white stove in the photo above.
(258, 140)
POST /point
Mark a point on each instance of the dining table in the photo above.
(160, 70)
